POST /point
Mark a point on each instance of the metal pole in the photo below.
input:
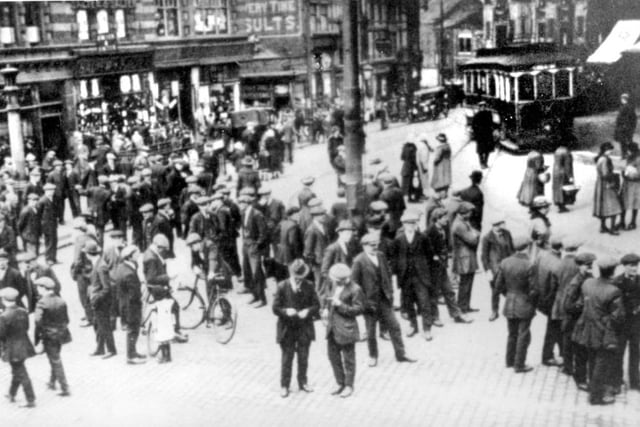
(353, 132)
(308, 51)
(441, 42)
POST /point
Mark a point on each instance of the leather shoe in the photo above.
(493, 316)
(413, 331)
(348, 391)
(472, 310)
(10, 398)
(427, 335)
(97, 353)
(373, 362)
(607, 400)
(551, 362)
(180, 338)
(139, 356)
(260, 305)
(284, 393)
(583, 386)
(337, 390)
(385, 336)
(29, 405)
(51, 385)
(523, 369)
(109, 355)
(306, 388)
(135, 361)
(438, 323)
(461, 319)
(405, 359)
(86, 324)
(64, 393)
(253, 301)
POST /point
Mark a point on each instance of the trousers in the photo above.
(602, 376)
(443, 287)
(630, 337)
(20, 377)
(290, 347)
(133, 332)
(51, 244)
(495, 296)
(104, 331)
(52, 350)
(414, 294)
(518, 342)
(343, 361)
(253, 275)
(83, 286)
(552, 337)
(581, 365)
(464, 291)
(385, 315)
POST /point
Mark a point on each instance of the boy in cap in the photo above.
(515, 280)
(35, 183)
(629, 284)
(342, 251)
(52, 320)
(345, 303)
(576, 356)
(48, 223)
(17, 347)
(496, 244)
(597, 329)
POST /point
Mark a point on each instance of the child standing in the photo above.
(166, 332)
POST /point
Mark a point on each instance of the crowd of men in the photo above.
(328, 264)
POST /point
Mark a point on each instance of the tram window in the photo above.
(545, 85)
(525, 89)
(562, 84)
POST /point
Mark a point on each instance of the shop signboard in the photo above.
(267, 18)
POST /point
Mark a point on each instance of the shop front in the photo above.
(276, 83)
(219, 91)
(114, 90)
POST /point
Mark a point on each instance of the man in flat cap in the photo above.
(316, 240)
(629, 284)
(496, 244)
(248, 177)
(576, 356)
(565, 271)
(35, 183)
(52, 321)
(205, 223)
(464, 241)
(101, 299)
(306, 193)
(147, 192)
(134, 216)
(49, 223)
(72, 184)
(296, 304)
(28, 226)
(17, 347)
(290, 244)
(56, 177)
(100, 202)
(342, 251)
(174, 183)
(547, 264)
(483, 127)
(473, 194)
(371, 271)
(188, 208)
(162, 223)
(393, 197)
(32, 268)
(254, 242)
(118, 202)
(597, 329)
(273, 211)
(344, 304)
(146, 211)
(516, 281)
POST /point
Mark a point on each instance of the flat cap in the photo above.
(465, 207)
(33, 196)
(245, 199)
(164, 202)
(387, 178)
(345, 224)
(607, 262)
(317, 211)
(193, 238)
(9, 294)
(113, 178)
(248, 191)
(191, 179)
(45, 282)
(555, 242)
(225, 190)
(584, 258)
(35, 172)
(476, 175)
(127, 251)
(571, 243)
(103, 179)
(438, 213)
(441, 137)
(540, 202)
(521, 241)
(92, 248)
(49, 186)
(117, 234)
(308, 180)
(133, 179)
(630, 259)
(26, 256)
(378, 206)
(161, 241)
(68, 162)
(339, 272)
(264, 191)
(410, 217)
(315, 202)
(202, 200)
(370, 239)
(57, 162)
(147, 207)
(500, 219)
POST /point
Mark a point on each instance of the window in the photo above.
(542, 27)
(551, 28)
(210, 16)
(525, 87)
(487, 31)
(83, 25)
(167, 17)
(32, 22)
(545, 85)
(464, 44)
(121, 24)
(580, 26)
(7, 24)
(102, 21)
(562, 84)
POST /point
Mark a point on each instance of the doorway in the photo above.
(53, 137)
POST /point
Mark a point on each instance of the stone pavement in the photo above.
(459, 380)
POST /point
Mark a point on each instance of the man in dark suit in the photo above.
(101, 300)
(626, 123)
(546, 268)
(129, 291)
(14, 329)
(48, 223)
(11, 278)
(100, 197)
(146, 211)
(316, 241)
(162, 223)
(52, 321)
(147, 192)
(393, 197)
(342, 251)
(290, 244)
(35, 183)
(496, 245)
(516, 280)
(72, 183)
(629, 284)
(483, 126)
(371, 271)
(247, 176)
(8, 240)
(345, 303)
(464, 240)
(188, 209)
(174, 184)
(232, 257)
(273, 211)
(134, 216)
(473, 194)
(56, 177)
(296, 304)
(598, 329)
(254, 242)
(29, 225)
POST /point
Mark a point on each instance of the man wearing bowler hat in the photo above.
(296, 304)
(629, 284)
(344, 304)
(48, 223)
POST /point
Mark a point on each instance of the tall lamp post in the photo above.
(13, 119)
(352, 98)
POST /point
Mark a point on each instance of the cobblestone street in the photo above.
(459, 380)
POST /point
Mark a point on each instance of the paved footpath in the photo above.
(459, 380)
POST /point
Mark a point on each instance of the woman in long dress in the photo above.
(606, 202)
(631, 185)
(441, 180)
(532, 186)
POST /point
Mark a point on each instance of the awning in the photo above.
(635, 49)
(520, 61)
(623, 36)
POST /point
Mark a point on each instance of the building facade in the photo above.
(99, 65)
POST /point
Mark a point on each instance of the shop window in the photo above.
(562, 84)
(102, 21)
(210, 16)
(82, 21)
(525, 88)
(580, 26)
(551, 28)
(545, 85)
(542, 30)
(167, 17)
(121, 24)
(32, 22)
(7, 24)
(464, 44)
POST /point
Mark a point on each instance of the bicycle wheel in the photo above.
(153, 346)
(223, 317)
(192, 307)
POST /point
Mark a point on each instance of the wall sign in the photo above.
(268, 17)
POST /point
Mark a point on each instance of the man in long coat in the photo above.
(496, 245)
(483, 127)
(465, 240)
